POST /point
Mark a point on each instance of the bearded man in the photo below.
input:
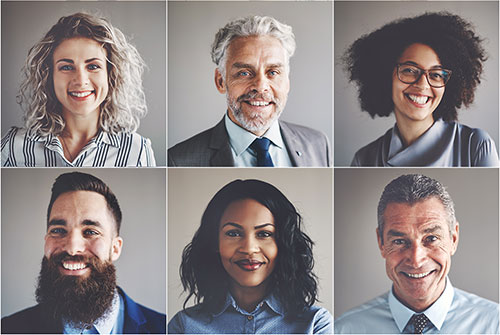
(252, 55)
(77, 291)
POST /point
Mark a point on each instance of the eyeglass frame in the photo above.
(426, 72)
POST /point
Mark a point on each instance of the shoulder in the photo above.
(189, 317)
(29, 320)
(365, 317)
(482, 148)
(475, 304)
(370, 153)
(146, 318)
(132, 149)
(21, 147)
(309, 134)
(195, 143)
(321, 319)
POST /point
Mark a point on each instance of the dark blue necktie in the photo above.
(261, 147)
(419, 322)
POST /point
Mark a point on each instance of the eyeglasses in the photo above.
(410, 74)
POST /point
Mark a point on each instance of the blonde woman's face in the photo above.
(80, 77)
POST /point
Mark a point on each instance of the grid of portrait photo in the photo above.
(249, 167)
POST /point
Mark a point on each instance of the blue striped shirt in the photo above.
(26, 149)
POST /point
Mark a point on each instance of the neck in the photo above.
(248, 297)
(411, 130)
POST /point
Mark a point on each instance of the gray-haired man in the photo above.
(417, 234)
(252, 56)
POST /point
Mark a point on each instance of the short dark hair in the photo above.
(370, 60)
(78, 181)
(410, 189)
(292, 281)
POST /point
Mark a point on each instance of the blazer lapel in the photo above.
(296, 149)
(219, 143)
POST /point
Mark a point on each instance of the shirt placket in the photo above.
(250, 324)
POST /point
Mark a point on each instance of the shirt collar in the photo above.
(271, 301)
(240, 139)
(53, 142)
(436, 312)
(427, 139)
(103, 325)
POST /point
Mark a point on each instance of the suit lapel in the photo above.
(219, 143)
(296, 149)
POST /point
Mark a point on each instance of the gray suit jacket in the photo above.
(305, 146)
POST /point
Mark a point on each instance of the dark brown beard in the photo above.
(80, 301)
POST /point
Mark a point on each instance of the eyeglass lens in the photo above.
(411, 74)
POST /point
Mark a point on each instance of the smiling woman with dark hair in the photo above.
(249, 267)
(423, 69)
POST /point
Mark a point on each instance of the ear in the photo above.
(116, 248)
(380, 243)
(220, 82)
(454, 238)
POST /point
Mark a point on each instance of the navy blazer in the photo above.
(35, 320)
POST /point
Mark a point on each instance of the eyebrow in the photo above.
(432, 229)
(249, 66)
(409, 62)
(61, 222)
(241, 227)
(67, 60)
(393, 232)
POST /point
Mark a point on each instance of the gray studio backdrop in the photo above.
(194, 103)
(354, 128)
(360, 269)
(141, 269)
(190, 190)
(143, 22)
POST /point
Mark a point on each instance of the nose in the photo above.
(81, 77)
(423, 81)
(249, 245)
(260, 83)
(417, 254)
(74, 244)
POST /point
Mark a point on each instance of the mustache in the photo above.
(91, 261)
(256, 95)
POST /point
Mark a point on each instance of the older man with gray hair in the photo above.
(417, 234)
(252, 55)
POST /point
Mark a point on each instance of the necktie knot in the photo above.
(261, 147)
(419, 322)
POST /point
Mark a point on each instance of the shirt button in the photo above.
(250, 317)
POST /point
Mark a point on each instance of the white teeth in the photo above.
(74, 266)
(419, 99)
(80, 94)
(258, 103)
(417, 275)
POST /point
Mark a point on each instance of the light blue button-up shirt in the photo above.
(111, 323)
(267, 318)
(455, 312)
(240, 141)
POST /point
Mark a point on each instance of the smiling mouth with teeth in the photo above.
(419, 99)
(417, 275)
(258, 103)
(81, 94)
(249, 265)
(73, 266)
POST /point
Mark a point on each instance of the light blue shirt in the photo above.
(111, 323)
(267, 318)
(240, 141)
(455, 312)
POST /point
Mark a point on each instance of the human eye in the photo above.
(90, 232)
(265, 234)
(399, 241)
(233, 233)
(244, 73)
(409, 70)
(439, 75)
(57, 231)
(273, 72)
(93, 67)
(431, 238)
(66, 67)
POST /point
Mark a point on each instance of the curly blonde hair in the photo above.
(125, 103)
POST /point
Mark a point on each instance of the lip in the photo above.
(249, 264)
(72, 268)
(81, 95)
(258, 103)
(417, 275)
(418, 96)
